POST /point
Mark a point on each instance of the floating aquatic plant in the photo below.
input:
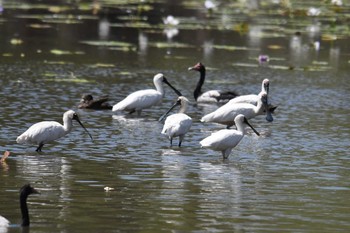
(16, 41)
(63, 52)
(170, 45)
(107, 43)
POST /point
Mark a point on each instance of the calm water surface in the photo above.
(293, 178)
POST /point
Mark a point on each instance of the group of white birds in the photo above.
(237, 111)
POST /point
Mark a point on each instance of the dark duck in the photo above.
(88, 102)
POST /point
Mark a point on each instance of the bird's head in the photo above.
(26, 190)
(198, 67)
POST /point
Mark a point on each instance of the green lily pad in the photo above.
(170, 45)
(75, 80)
(232, 48)
(7, 54)
(107, 43)
(63, 52)
(57, 62)
(102, 65)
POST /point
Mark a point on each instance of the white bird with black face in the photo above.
(226, 114)
(139, 100)
(48, 131)
(251, 99)
(226, 139)
(178, 124)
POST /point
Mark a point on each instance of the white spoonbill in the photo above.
(253, 98)
(212, 95)
(226, 114)
(178, 124)
(25, 191)
(48, 131)
(226, 139)
(139, 100)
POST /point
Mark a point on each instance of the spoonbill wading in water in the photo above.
(253, 98)
(139, 100)
(178, 124)
(226, 114)
(226, 139)
(48, 131)
(25, 191)
(213, 96)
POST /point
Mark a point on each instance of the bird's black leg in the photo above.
(39, 147)
(171, 142)
(181, 137)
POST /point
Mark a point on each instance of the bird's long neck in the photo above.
(67, 124)
(198, 90)
(159, 86)
(24, 210)
(183, 108)
(259, 107)
(241, 128)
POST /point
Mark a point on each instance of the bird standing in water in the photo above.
(226, 114)
(226, 139)
(48, 131)
(178, 124)
(139, 100)
(213, 96)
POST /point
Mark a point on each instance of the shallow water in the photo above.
(293, 178)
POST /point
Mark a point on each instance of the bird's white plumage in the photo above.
(43, 132)
(252, 98)
(139, 100)
(226, 139)
(220, 141)
(142, 99)
(209, 96)
(47, 131)
(178, 124)
(226, 114)
(4, 222)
